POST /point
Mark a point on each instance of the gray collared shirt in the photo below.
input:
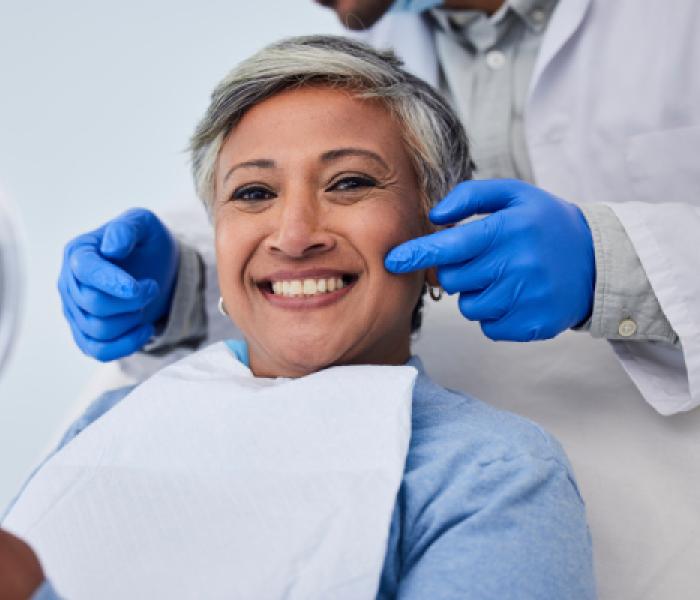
(485, 67)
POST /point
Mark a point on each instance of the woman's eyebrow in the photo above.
(343, 152)
(260, 163)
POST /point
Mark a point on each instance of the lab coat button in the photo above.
(627, 328)
(495, 59)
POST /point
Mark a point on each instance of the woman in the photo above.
(316, 156)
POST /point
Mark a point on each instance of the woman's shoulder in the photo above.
(453, 422)
(489, 505)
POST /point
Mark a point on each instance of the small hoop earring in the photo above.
(222, 308)
(436, 296)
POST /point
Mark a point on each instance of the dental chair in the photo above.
(638, 472)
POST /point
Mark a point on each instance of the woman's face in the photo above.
(313, 187)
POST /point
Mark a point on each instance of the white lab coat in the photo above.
(613, 116)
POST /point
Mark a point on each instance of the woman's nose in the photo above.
(299, 232)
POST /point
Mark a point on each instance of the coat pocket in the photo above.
(664, 166)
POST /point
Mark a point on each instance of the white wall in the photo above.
(97, 100)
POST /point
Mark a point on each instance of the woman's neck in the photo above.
(263, 365)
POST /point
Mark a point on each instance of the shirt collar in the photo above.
(535, 13)
(484, 31)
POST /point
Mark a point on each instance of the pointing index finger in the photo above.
(91, 269)
(445, 247)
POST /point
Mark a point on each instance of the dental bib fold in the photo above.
(206, 482)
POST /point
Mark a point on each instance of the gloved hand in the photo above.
(526, 271)
(116, 282)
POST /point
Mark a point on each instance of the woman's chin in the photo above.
(296, 361)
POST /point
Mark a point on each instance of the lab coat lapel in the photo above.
(564, 22)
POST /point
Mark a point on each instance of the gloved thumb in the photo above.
(118, 240)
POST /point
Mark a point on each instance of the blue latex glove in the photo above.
(526, 271)
(116, 282)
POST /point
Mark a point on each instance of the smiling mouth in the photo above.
(307, 287)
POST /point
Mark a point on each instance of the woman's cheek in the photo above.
(388, 231)
(230, 250)
(393, 229)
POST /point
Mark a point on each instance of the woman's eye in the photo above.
(349, 184)
(252, 194)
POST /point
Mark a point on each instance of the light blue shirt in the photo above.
(488, 507)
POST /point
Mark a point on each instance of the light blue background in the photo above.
(97, 100)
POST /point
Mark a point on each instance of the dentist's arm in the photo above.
(536, 265)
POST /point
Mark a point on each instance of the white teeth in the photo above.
(295, 288)
(307, 287)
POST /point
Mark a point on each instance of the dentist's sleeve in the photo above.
(666, 238)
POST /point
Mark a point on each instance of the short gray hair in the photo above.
(435, 138)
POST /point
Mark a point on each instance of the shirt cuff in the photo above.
(625, 306)
(186, 323)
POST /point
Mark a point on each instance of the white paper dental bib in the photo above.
(208, 483)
